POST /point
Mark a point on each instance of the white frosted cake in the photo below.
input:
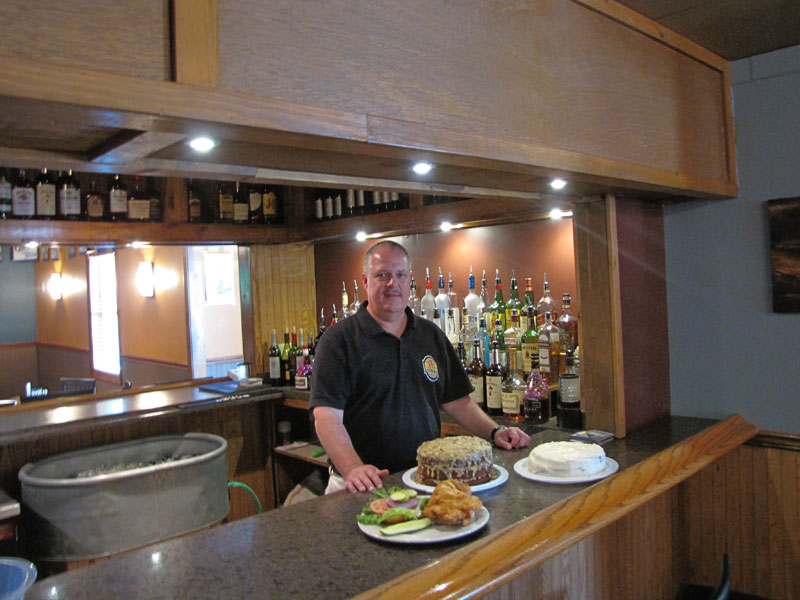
(567, 459)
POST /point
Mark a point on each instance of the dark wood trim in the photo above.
(155, 363)
(63, 347)
(776, 439)
(13, 345)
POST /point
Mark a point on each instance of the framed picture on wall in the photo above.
(784, 242)
(54, 253)
(21, 253)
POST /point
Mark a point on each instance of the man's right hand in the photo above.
(364, 478)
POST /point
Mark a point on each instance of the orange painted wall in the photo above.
(153, 328)
(63, 322)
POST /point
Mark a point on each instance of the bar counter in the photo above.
(315, 550)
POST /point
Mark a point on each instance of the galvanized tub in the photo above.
(107, 499)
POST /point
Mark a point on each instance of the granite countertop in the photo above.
(315, 550)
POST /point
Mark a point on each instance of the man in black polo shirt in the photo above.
(381, 376)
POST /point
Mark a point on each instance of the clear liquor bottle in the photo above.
(428, 302)
(356, 300)
(498, 306)
(467, 333)
(549, 349)
(69, 197)
(536, 402)
(450, 327)
(452, 299)
(513, 389)
(545, 304)
(568, 323)
(345, 302)
(476, 371)
(494, 383)
(442, 300)
(117, 200)
(514, 303)
(471, 301)
(413, 299)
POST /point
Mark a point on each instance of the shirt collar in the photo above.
(371, 326)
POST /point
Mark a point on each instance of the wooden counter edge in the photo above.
(489, 563)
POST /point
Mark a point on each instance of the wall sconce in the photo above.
(145, 279)
(54, 286)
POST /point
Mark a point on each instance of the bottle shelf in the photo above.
(305, 452)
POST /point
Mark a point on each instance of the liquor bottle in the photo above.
(318, 211)
(528, 305)
(483, 307)
(498, 335)
(321, 326)
(536, 402)
(450, 327)
(467, 333)
(476, 371)
(442, 300)
(512, 336)
(302, 380)
(472, 301)
(286, 375)
(69, 197)
(437, 318)
(568, 323)
(428, 302)
(45, 187)
(377, 202)
(117, 200)
(569, 394)
(23, 197)
(485, 339)
(335, 318)
(545, 304)
(155, 200)
(494, 383)
(461, 353)
(194, 206)
(5, 195)
(328, 216)
(274, 361)
(514, 303)
(394, 201)
(337, 207)
(360, 207)
(452, 299)
(255, 214)
(356, 301)
(513, 388)
(225, 202)
(529, 344)
(293, 357)
(413, 299)
(345, 312)
(549, 349)
(94, 204)
(300, 350)
(498, 307)
(138, 201)
(270, 206)
(350, 204)
(241, 205)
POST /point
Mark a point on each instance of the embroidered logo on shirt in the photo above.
(430, 368)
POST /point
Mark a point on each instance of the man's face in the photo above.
(388, 282)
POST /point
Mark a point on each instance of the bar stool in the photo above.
(721, 592)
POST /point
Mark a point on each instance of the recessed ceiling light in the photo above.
(558, 184)
(422, 168)
(202, 143)
(361, 236)
(557, 213)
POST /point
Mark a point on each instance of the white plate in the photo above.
(429, 535)
(521, 467)
(410, 480)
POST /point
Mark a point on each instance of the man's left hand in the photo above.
(513, 437)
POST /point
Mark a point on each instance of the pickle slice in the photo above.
(406, 526)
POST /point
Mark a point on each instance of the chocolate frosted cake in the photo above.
(463, 457)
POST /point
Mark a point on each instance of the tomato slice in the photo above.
(379, 506)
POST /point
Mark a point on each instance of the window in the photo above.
(104, 324)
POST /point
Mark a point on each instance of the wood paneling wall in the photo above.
(283, 292)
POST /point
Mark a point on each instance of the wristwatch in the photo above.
(494, 431)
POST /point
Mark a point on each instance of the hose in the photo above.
(232, 484)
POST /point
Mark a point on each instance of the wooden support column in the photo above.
(195, 42)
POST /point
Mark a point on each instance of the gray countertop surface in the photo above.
(315, 550)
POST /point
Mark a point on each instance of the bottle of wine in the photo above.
(494, 383)
(23, 197)
(255, 197)
(69, 197)
(514, 303)
(117, 200)
(413, 299)
(569, 394)
(472, 301)
(274, 361)
(513, 388)
(45, 188)
(269, 205)
(549, 349)
(138, 201)
(536, 402)
(225, 202)
(286, 374)
(94, 204)
(428, 302)
(195, 206)
(321, 326)
(293, 357)
(498, 306)
(5, 195)
(545, 304)
(241, 204)
(529, 344)
(476, 371)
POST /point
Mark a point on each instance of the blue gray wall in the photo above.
(729, 353)
(17, 304)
